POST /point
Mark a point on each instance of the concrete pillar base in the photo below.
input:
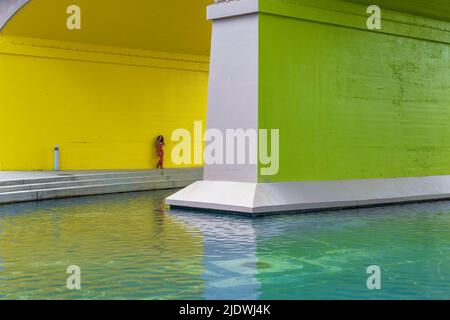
(260, 198)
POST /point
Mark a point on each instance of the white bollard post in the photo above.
(56, 158)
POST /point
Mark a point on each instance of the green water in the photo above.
(130, 246)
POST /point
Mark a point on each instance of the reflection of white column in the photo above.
(8, 9)
(229, 254)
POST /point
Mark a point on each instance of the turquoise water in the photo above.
(131, 246)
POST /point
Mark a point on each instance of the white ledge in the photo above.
(257, 198)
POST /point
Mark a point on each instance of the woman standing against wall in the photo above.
(160, 151)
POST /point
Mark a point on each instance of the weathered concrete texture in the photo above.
(34, 186)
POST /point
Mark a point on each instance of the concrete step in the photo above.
(83, 182)
(68, 192)
(79, 176)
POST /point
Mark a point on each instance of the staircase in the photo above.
(67, 185)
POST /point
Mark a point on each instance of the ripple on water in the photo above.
(130, 246)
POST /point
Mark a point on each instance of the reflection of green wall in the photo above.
(125, 245)
(325, 256)
(352, 103)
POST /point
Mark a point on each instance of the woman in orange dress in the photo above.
(160, 151)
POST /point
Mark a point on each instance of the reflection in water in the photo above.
(326, 255)
(125, 246)
(131, 246)
(229, 254)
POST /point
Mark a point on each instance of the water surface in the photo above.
(130, 246)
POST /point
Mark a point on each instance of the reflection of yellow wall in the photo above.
(102, 105)
(124, 246)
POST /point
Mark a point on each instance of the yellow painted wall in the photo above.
(166, 25)
(102, 105)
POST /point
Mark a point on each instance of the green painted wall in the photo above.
(434, 9)
(352, 103)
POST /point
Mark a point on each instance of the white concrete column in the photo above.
(233, 83)
(233, 104)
